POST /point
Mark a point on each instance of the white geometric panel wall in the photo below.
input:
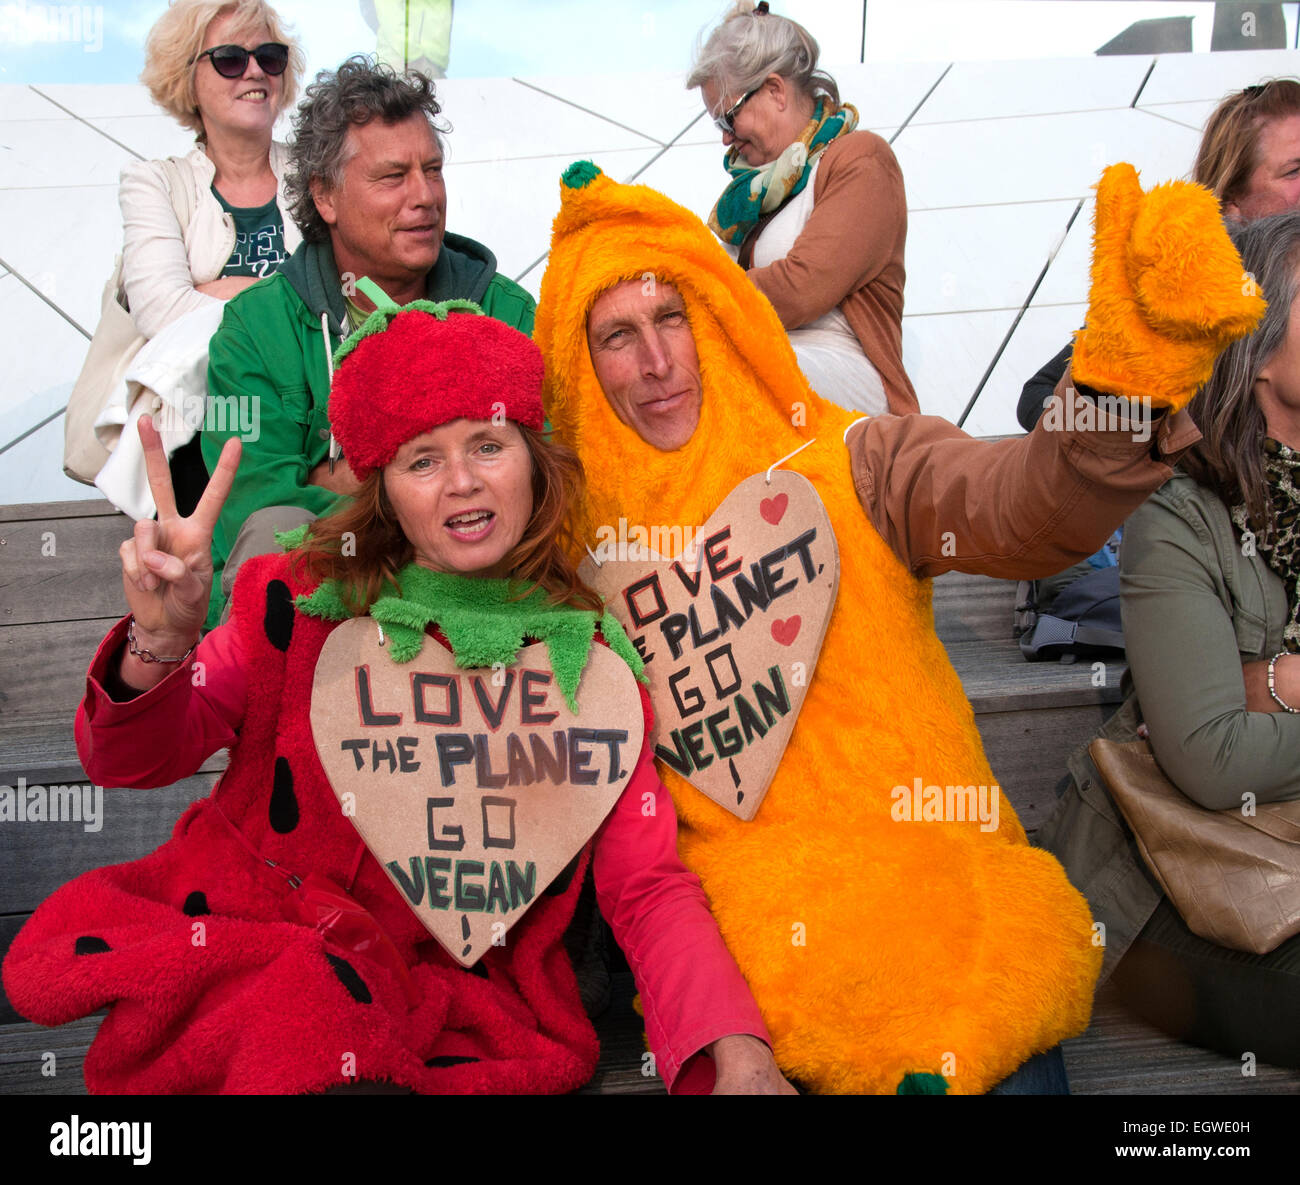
(998, 159)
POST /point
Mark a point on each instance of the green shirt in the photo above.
(259, 239)
(356, 314)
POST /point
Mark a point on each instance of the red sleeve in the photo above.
(692, 992)
(165, 734)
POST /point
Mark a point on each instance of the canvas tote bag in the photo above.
(115, 344)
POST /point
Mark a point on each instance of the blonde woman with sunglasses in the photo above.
(224, 69)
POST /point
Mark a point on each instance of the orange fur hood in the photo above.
(754, 391)
(884, 953)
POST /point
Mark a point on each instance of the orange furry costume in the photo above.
(936, 955)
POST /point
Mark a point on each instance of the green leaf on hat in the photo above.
(386, 310)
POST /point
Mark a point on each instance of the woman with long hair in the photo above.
(280, 942)
(1212, 557)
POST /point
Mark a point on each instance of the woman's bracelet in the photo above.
(149, 656)
(1272, 689)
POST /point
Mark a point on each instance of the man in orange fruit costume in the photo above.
(886, 955)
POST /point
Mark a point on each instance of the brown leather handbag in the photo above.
(1234, 878)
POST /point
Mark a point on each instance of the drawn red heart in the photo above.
(674, 610)
(787, 631)
(773, 509)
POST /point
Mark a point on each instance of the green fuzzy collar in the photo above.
(482, 622)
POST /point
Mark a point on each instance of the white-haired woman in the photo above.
(225, 69)
(815, 209)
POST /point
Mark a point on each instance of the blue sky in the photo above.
(104, 42)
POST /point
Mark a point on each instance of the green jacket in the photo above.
(1195, 608)
(268, 376)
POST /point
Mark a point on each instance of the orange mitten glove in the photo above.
(1168, 291)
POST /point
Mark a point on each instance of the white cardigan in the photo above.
(161, 262)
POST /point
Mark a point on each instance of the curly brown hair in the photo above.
(362, 545)
(360, 90)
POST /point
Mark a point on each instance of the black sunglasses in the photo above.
(230, 61)
(726, 122)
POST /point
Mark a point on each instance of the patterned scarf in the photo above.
(754, 192)
(1282, 551)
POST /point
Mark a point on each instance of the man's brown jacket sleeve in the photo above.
(1016, 509)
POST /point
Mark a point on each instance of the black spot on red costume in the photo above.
(284, 803)
(349, 978)
(557, 887)
(278, 621)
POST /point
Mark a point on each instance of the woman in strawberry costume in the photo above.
(264, 948)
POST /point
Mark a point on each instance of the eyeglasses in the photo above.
(230, 61)
(726, 122)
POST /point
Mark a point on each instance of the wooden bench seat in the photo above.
(1118, 1055)
(55, 608)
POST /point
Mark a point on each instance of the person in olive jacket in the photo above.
(1212, 556)
(367, 190)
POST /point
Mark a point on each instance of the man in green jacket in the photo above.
(368, 193)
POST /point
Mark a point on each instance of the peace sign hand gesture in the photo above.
(167, 564)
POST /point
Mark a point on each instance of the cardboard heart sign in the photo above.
(730, 630)
(473, 789)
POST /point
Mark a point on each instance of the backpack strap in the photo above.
(1026, 607)
(1057, 631)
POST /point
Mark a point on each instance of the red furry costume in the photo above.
(211, 988)
(248, 1002)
